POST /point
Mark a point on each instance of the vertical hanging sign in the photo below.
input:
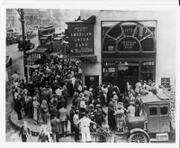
(81, 37)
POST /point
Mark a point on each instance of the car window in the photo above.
(153, 110)
(164, 110)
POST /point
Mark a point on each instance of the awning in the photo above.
(91, 57)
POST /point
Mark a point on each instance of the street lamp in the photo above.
(21, 19)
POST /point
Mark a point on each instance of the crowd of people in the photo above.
(45, 99)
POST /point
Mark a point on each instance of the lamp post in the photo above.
(21, 19)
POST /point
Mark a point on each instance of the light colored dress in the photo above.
(120, 118)
(131, 111)
(35, 111)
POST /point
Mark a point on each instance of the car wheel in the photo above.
(138, 137)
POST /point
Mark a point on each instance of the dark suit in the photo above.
(111, 118)
(109, 94)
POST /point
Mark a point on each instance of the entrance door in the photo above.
(153, 120)
(92, 81)
(131, 74)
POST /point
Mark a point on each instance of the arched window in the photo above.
(129, 36)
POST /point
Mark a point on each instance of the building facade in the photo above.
(132, 45)
(31, 16)
(12, 18)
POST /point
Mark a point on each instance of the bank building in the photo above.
(119, 46)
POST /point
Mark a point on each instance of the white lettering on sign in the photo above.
(81, 37)
(128, 44)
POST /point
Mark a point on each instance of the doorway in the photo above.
(130, 74)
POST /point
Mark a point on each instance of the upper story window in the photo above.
(129, 36)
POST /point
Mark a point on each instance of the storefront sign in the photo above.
(81, 38)
(165, 82)
(128, 44)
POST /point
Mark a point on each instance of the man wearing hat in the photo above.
(111, 116)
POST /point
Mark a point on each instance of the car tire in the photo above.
(138, 137)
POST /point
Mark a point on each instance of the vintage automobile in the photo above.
(11, 30)
(9, 39)
(155, 122)
(16, 37)
(8, 61)
(28, 43)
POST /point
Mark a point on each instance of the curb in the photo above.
(33, 132)
(12, 121)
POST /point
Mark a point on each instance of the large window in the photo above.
(147, 70)
(129, 36)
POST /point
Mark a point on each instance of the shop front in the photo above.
(121, 46)
(81, 44)
(128, 51)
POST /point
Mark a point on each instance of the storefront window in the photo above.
(147, 71)
(109, 44)
(147, 67)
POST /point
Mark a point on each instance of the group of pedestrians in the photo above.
(45, 99)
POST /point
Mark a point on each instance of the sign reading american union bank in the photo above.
(81, 37)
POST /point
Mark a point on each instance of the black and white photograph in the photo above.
(90, 76)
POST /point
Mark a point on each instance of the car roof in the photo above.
(151, 98)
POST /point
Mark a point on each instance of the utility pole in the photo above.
(21, 19)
